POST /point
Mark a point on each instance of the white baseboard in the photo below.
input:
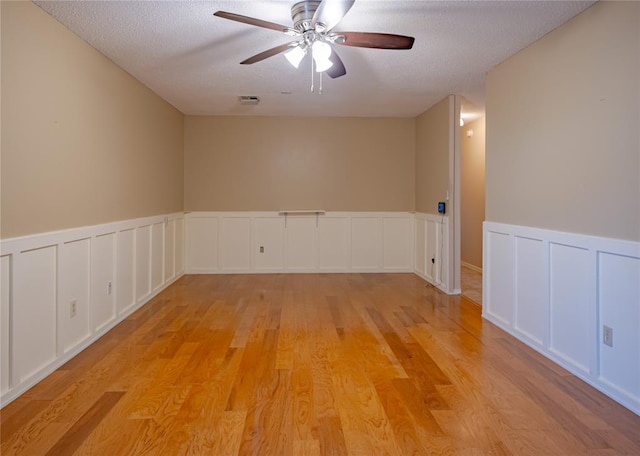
(473, 267)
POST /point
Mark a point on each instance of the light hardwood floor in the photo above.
(351, 364)
(471, 284)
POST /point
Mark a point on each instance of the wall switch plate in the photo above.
(607, 335)
(441, 207)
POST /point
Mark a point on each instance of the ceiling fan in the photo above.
(313, 28)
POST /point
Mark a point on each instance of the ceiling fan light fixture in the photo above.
(313, 25)
(321, 53)
(295, 55)
(291, 32)
(320, 27)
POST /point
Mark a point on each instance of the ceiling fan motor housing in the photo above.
(302, 14)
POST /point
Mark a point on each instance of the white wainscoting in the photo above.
(430, 245)
(261, 242)
(106, 271)
(556, 291)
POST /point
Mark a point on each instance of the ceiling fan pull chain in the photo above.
(320, 88)
(312, 75)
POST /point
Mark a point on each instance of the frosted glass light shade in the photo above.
(295, 56)
(321, 53)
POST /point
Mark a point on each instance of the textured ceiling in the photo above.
(191, 58)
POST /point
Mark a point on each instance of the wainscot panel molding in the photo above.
(557, 292)
(314, 241)
(61, 291)
(430, 247)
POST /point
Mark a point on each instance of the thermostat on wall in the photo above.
(441, 208)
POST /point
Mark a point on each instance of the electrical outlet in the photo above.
(73, 308)
(261, 249)
(607, 335)
(109, 288)
(433, 261)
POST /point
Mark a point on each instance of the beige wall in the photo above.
(472, 191)
(563, 147)
(433, 143)
(275, 163)
(82, 141)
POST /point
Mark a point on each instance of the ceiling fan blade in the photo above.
(251, 21)
(268, 53)
(337, 69)
(330, 12)
(375, 40)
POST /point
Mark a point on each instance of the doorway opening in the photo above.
(472, 199)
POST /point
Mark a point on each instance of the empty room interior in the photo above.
(320, 228)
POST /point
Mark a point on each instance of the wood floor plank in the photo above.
(220, 436)
(203, 407)
(366, 427)
(328, 430)
(362, 308)
(306, 448)
(23, 411)
(286, 333)
(149, 400)
(269, 424)
(313, 364)
(401, 420)
(103, 440)
(74, 437)
(244, 326)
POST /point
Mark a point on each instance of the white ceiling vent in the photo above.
(248, 99)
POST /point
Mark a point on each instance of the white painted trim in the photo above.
(15, 247)
(400, 248)
(453, 240)
(36, 241)
(473, 267)
(436, 252)
(580, 312)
